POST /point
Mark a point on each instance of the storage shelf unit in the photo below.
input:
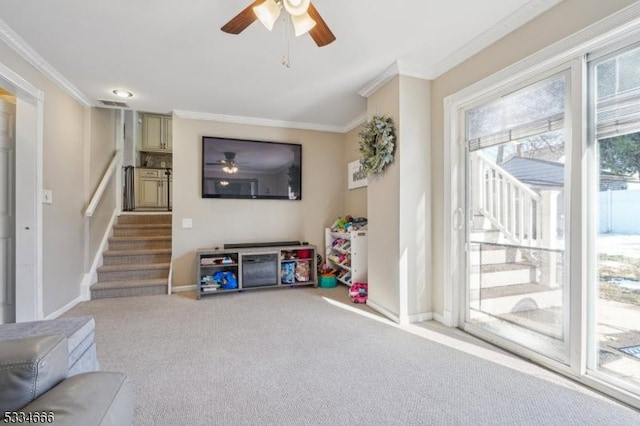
(346, 252)
(253, 268)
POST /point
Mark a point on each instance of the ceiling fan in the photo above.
(229, 163)
(304, 16)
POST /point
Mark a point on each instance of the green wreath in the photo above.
(377, 144)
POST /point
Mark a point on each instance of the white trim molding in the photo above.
(266, 122)
(22, 48)
(380, 80)
(515, 20)
(55, 314)
(91, 276)
(387, 313)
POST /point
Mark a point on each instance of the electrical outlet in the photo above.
(47, 196)
(187, 223)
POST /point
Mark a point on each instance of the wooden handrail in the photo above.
(97, 196)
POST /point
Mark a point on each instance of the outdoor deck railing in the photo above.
(524, 216)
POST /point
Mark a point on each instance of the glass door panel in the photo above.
(616, 287)
(516, 285)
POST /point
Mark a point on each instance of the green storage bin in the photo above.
(328, 281)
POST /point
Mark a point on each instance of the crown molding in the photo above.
(507, 25)
(22, 48)
(380, 80)
(356, 122)
(620, 25)
(515, 20)
(266, 122)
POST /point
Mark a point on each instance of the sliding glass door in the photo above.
(614, 280)
(550, 167)
(517, 172)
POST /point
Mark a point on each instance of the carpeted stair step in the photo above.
(126, 288)
(140, 242)
(144, 219)
(138, 256)
(133, 272)
(132, 230)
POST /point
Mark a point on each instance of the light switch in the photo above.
(187, 223)
(47, 196)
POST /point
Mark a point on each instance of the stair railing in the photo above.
(92, 254)
(510, 205)
(104, 182)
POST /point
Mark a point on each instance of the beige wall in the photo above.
(559, 22)
(383, 211)
(101, 150)
(415, 196)
(355, 200)
(220, 221)
(102, 143)
(399, 205)
(63, 157)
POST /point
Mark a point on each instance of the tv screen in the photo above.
(241, 168)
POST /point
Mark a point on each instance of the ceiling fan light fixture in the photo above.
(230, 169)
(267, 13)
(296, 7)
(302, 24)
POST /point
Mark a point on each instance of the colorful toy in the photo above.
(358, 292)
(226, 279)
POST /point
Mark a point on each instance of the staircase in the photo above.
(138, 257)
(515, 283)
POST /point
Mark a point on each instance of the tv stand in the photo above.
(266, 244)
(255, 267)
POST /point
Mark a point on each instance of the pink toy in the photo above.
(358, 292)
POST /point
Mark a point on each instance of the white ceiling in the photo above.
(173, 56)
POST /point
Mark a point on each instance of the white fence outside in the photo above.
(620, 212)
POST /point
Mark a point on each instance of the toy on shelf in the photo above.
(358, 292)
(349, 223)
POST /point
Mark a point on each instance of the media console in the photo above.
(259, 266)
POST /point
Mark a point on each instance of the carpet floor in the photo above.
(301, 357)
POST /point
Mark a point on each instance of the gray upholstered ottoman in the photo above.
(78, 330)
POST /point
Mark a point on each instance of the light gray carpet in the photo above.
(287, 357)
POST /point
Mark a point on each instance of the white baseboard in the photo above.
(181, 288)
(424, 316)
(444, 319)
(64, 309)
(400, 319)
(91, 276)
(376, 307)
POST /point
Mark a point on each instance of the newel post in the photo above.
(549, 238)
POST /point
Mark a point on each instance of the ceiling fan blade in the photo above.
(242, 20)
(321, 33)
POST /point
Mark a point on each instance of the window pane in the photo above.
(537, 102)
(517, 286)
(617, 305)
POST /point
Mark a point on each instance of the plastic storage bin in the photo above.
(327, 281)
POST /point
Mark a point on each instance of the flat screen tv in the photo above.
(242, 168)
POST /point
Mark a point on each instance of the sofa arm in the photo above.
(29, 367)
(88, 399)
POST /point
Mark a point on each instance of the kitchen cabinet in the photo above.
(152, 188)
(157, 133)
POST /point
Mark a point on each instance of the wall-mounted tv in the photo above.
(242, 168)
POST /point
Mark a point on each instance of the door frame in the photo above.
(618, 28)
(28, 194)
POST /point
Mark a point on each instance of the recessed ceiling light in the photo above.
(122, 93)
